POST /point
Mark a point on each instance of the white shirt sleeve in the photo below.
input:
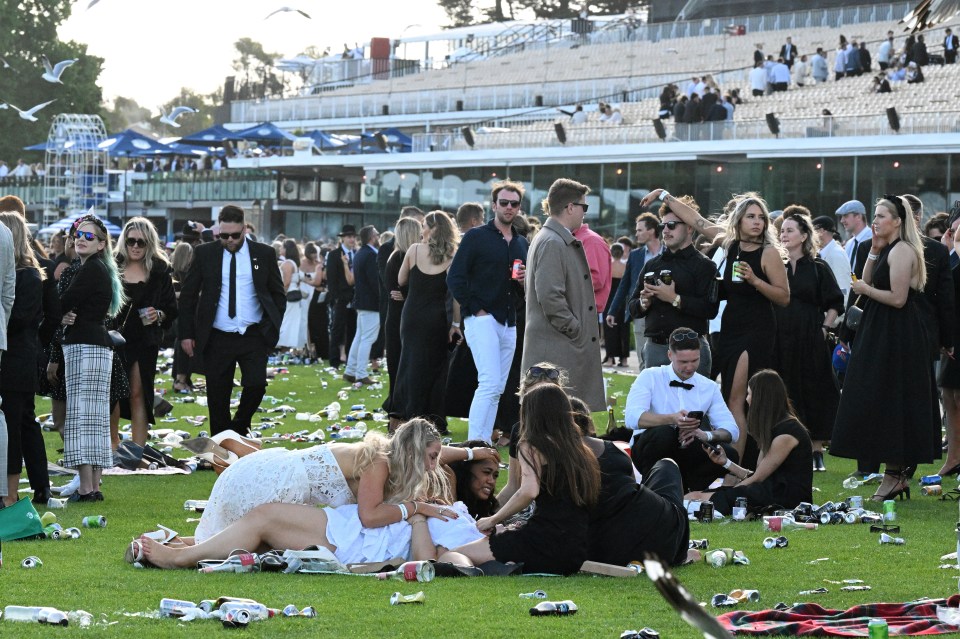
(720, 416)
(639, 398)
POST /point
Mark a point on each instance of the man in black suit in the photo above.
(788, 52)
(343, 317)
(366, 301)
(231, 308)
(950, 45)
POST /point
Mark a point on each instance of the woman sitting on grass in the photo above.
(474, 482)
(784, 475)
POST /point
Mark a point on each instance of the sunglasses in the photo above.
(231, 236)
(85, 235)
(550, 373)
(586, 207)
(513, 204)
(136, 241)
(670, 225)
(679, 337)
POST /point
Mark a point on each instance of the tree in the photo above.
(252, 58)
(30, 31)
(460, 12)
(125, 113)
(191, 122)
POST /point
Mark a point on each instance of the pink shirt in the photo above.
(598, 257)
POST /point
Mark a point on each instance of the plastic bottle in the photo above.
(175, 607)
(241, 562)
(80, 618)
(35, 614)
(411, 571)
(781, 524)
(554, 608)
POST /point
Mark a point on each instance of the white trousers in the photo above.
(492, 345)
(368, 325)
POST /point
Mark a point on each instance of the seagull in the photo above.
(6, 65)
(929, 13)
(53, 73)
(288, 9)
(176, 112)
(28, 115)
(92, 2)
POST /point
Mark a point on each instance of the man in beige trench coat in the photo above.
(562, 326)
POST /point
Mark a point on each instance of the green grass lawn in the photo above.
(90, 574)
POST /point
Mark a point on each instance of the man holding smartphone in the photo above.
(666, 406)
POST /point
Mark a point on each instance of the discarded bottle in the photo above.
(852, 482)
(36, 614)
(611, 419)
(291, 610)
(878, 629)
(175, 607)
(397, 598)
(554, 608)
(31, 562)
(536, 594)
(411, 571)
(241, 562)
(887, 539)
(94, 521)
(781, 524)
(81, 618)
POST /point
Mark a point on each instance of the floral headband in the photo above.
(91, 218)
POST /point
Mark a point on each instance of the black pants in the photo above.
(223, 352)
(318, 326)
(950, 56)
(343, 326)
(666, 481)
(24, 440)
(696, 467)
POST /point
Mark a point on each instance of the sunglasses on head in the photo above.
(85, 235)
(670, 225)
(513, 204)
(231, 236)
(679, 337)
(552, 374)
(136, 241)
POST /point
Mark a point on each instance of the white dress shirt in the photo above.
(248, 308)
(837, 260)
(854, 243)
(651, 391)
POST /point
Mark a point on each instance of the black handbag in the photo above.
(117, 338)
(294, 296)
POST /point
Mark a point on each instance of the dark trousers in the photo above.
(666, 481)
(343, 326)
(950, 56)
(696, 467)
(24, 440)
(223, 353)
(318, 326)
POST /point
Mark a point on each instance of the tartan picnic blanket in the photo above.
(813, 620)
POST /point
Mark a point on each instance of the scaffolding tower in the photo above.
(76, 167)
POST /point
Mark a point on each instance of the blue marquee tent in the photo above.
(132, 144)
(212, 136)
(264, 133)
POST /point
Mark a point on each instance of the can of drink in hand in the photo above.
(650, 278)
(515, 271)
(94, 521)
(936, 489)
(666, 276)
(735, 272)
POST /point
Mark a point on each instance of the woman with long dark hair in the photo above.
(311, 279)
(407, 234)
(561, 474)
(95, 294)
(183, 364)
(900, 427)
(151, 307)
(474, 482)
(784, 474)
(290, 272)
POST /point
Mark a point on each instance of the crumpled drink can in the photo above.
(71, 533)
(645, 633)
(701, 544)
(398, 598)
(887, 539)
(722, 600)
(536, 594)
(775, 542)
(31, 562)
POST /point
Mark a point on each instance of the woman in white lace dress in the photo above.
(290, 271)
(383, 477)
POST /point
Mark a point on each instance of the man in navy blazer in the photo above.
(366, 300)
(231, 308)
(648, 239)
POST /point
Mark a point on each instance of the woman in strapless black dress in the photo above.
(949, 374)
(407, 233)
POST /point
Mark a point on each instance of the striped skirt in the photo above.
(86, 431)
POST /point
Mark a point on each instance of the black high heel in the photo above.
(954, 470)
(900, 489)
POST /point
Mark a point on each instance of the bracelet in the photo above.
(873, 257)
(455, 324)
(709, 436)
(827, 326)
(403, 512)
(727, 464)
(664, 194)
(469, 455)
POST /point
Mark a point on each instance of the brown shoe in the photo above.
(349, 378)
(366, 381)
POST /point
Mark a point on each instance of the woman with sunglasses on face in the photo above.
(95, 294)
(805, 355)
(887, 411)
(150, 309)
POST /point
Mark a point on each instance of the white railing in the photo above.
(603, 135)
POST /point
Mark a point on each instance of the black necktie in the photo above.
(232, 303)
(675, 384)
(954, 260)
(853, 254)
(350, 259)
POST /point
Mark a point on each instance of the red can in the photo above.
(516, 269)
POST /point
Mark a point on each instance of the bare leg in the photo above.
(138, 410)
(698, 496)
(738, 400)
(456, 558)
(13, 488)
(472, 554)
(115, 426)
(58, 410)
(290, 526)
(87, 483)
(421, 544)
(951, 405)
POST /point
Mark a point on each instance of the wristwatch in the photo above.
(664, 194)
(676, 302)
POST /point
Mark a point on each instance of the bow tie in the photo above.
(675, 384)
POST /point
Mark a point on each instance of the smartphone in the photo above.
(695, 414)
(714, 447)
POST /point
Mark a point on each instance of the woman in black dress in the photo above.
(151, 307)
(753, 280)
(616, 338)
(562, 475)
(406, 234)
(950, 367)
(183, 364)
(804, 354)
(784, 475)
(422, 371)
(901, 426)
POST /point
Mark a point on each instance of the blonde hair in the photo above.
(909, 234)
(737, 210)
(406, 234)
(23, 255)
(445, 238)
(182, 256)
(149, 234)
(404, 454)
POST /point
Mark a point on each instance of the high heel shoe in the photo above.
(237, 443)
(953, 470)
(900, 489)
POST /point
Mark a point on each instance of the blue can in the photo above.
(931, 480)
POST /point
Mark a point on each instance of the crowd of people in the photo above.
(738, 320)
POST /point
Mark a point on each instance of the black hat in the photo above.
(191, 231)
(348, 229)
(825, 222)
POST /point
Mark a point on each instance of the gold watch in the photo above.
(676, 302)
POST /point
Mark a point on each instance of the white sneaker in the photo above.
(70, 488)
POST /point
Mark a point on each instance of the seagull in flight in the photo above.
(289, 9)
(6, 65)
(175, 112)
(929, 13)
(52, 73)
(92, 2)
(29, 115)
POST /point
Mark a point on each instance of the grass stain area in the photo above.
(90, 574)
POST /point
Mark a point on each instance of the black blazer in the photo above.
(159, 294)
(937, 303)
(51, 302)
(337, 287)
(89, 296)
(19, 364)
(366, 295)
(383, 256)
(201, 292)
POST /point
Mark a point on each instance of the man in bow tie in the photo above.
(677, 413)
